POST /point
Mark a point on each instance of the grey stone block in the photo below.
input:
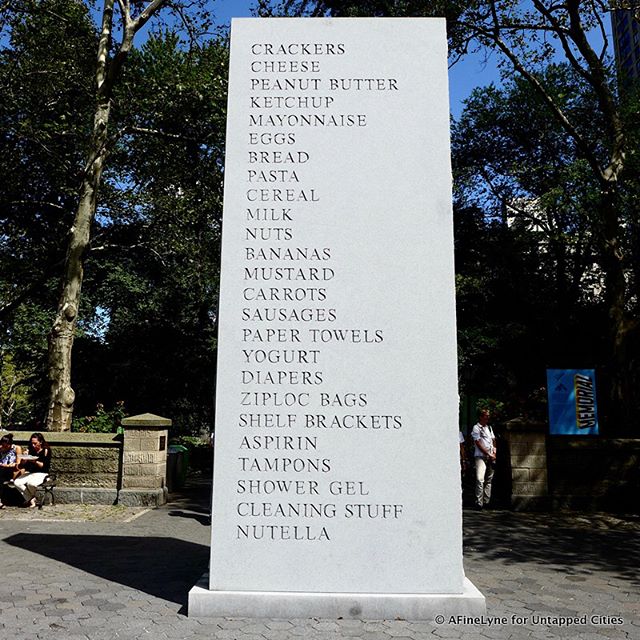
(85, 495)
(142, 497)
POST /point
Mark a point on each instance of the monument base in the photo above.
(359, 606)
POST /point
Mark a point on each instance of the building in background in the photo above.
(626, 38)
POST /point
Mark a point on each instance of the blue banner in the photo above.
(573, 408)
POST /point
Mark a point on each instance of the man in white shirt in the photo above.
(485, 458)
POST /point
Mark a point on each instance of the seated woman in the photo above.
(8, 462)
(36, 470)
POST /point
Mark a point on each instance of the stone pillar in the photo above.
(144, 464)
(527, 443)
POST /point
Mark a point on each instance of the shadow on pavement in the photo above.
(574, 543)
(163, 567)
(202, 518)
(192, 501)
(194, 497)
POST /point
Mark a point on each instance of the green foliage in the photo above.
(146, 331)
(45, 80)
(15, 401)
(23, 390)
(153, 273)
(554, 160)
(191, 442)
(102, 421)
(528, 294)
(199, 452)
(493, 406)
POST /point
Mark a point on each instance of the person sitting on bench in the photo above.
(9, 453)
(36, 470)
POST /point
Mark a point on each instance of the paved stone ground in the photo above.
(73, 513)
(101, 580)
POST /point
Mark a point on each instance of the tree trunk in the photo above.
(62, 395)
(624, 393)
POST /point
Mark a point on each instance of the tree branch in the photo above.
(193, 36)
(494, 34)
(157, 133)
(564, 41)
(148, 11)
(103, 46)
(137, 245)
(603, 33)
(34, 203)
(509, 202)
(603, 93)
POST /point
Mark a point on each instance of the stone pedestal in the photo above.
(144, 465)
(357, 606)
(527, 443)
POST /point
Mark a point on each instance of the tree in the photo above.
(147, 312)
(43, 134)
(527, 36)
(107, 73)
(524, 38)
(110, 61)
(155, 257)
(22, 360)
(45, 88)
(528, 292)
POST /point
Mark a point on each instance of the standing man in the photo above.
(485, 457)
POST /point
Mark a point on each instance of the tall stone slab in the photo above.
(336, 475)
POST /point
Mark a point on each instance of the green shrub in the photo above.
(493, 406)
(199, 451)
(102, 422)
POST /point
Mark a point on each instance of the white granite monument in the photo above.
(336, 477)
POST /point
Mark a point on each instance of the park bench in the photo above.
(46, 489)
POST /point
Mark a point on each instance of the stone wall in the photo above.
(527, 451)
(108, 468)
(82, 459)
(595, 473)
(565, 472)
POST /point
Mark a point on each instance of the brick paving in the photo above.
(106, 578)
